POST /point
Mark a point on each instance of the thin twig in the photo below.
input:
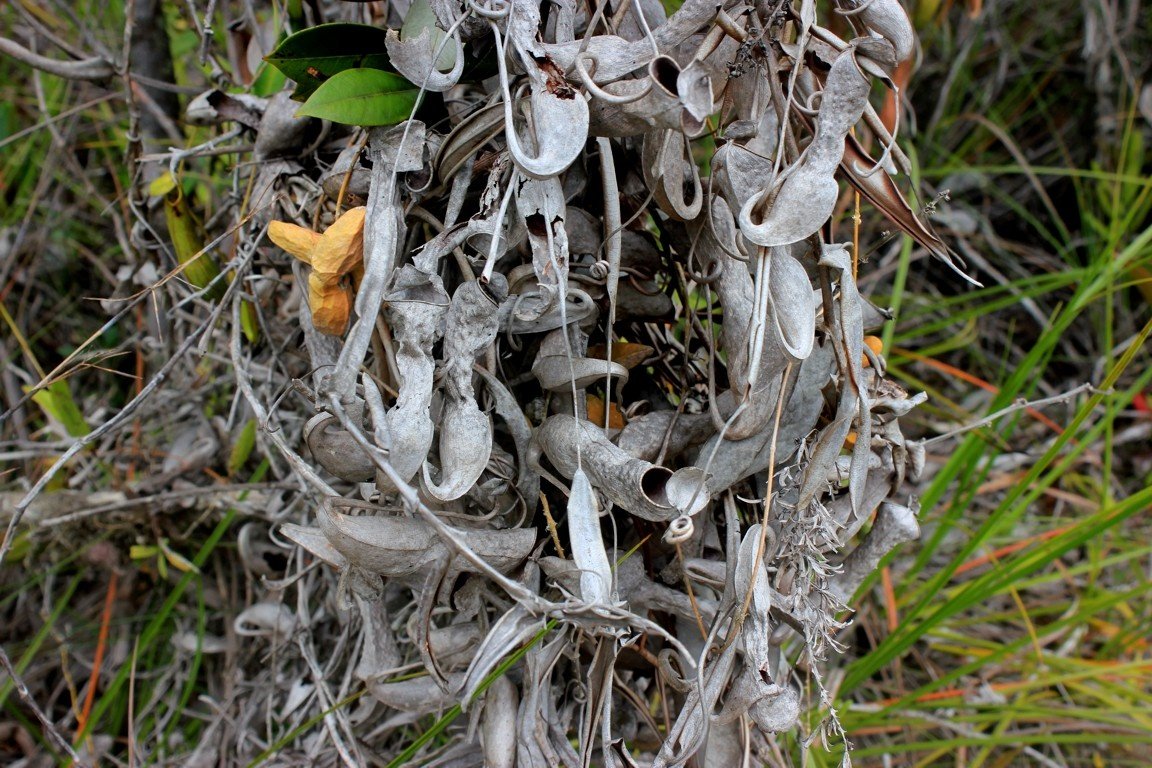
(94, 68)
(49, 727)
(1019, 405)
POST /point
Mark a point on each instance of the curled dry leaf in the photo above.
(644, 489)
(465, 431)
(802, 199)
(405, 547)
(417, 306)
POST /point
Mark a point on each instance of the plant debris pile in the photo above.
(594, 433)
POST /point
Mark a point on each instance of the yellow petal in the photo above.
(331, 309)
(296, 240)
(341, 247)
(323, 281)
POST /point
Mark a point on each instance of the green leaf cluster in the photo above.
(343, 74)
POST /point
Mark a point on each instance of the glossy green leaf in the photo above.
(363, 97)
(315, 55)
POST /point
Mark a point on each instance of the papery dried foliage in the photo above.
(551, 288)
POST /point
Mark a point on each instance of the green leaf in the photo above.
(242, 449)
(249, 322)
(269, 81)
(56, 401)
(315, 55)
(363, 97)
(200, 267)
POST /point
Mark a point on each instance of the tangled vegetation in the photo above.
(492, 383)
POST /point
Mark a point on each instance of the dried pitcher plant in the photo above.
(597, 427)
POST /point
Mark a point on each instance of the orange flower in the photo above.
(334, 256)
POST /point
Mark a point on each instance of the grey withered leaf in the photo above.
(803, 197)
(739, 172)
(665, 433)
(498, 723)
(715, 243)
(768, 351)
(557, 371)
(417, 695)
(281, 133)
(644, 594)
(540, 204)
(505, 405)
(632, 108)
(724, 747)
(688, 733)
(427, 258)
(792, 311)
(694, 87)
(672, 175)
(557, 117)
(383, 232)
(731, 460)
(478, 128)
(615, 56)
(465, 431)
(895, 525)
(406, 547)
(632, 27)
(380, 652)
(587, 544)
(347, 173)
(537, 716)
(454, 644)
(265, 620)
(417, 305)
(403, 146)
(850, 327)
(773, 707)
(509, 632)
(526, 315)
(313, 541)
(562, 20)
(847, 340)
(335, 450)
(887, 19)
(597, 705)
(752, 577)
